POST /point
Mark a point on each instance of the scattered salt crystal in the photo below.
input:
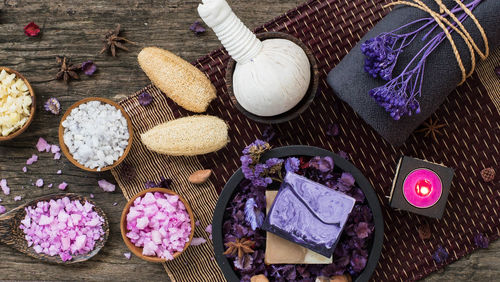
(92, 196)
(159, 223)
(17, 198)
(5, 188)
(63, 186)
(59, 172)
(32, 160)
(197, 223)
(25, 169)
(96, 134)
(57, 156)
(106, 186)
(127, 255)
(50, 185)
(39, 182)
(50, 228)
(55, 149)
(42, 145)
(209, 229)
(2, 209)
(198, 241)
(115, 203)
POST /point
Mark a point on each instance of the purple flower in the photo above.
(343, 155)
(358, 260)
(268, 134)
(52, 105)
(380, 57)
(274, 165)
(257, 147)
(292, 164)
(481, 241)
(440, 255)
(363, 230)
(332, 129)
(323, 164)
(145, 99)
(253, 215)
(197, 27)
(89, 68)
(347, 179)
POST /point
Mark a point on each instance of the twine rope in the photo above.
(444, 23)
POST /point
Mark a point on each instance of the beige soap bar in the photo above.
(187, 136)
(282, 251)
(178, 79)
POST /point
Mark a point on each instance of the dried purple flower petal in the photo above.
(253, 215)
(89, 68)
(481, 241)
(424, 231)
(52, 105)
(332, 129)
(347, 179)
(268, 134)
(145, 99)
(343, 155)
(197, 27)
(32, 160)
(363, 230)
(440, 255)
(323, 164)
(358, 260)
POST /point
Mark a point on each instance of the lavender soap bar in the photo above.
(309, 214)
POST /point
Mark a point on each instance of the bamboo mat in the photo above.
(469, 143)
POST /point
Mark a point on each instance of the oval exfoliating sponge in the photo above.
(188, 136)
(179, 80)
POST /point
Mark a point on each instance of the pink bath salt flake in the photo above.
(209, 229)
(59, 172)
(5, 188)
(91, 196)
(127, 255)
(45, 220)
(32, 160)
(149, 249)
(50, 185)
(198, 241)
(210, 237)
(63, 186)
(65, 256)
(55, 149)
(39, 182)
(25, 169)
(142, 222)
(197, 223)
(57, 156)
(106, 186)
(42, 145)
(17, 198)
(2, 209)
(115, 203)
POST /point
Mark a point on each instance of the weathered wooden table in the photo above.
(74, 28)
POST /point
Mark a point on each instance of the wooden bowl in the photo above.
(65, 149)
(33, 106)
(123, 225)
(301, 106)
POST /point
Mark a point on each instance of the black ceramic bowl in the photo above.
(301, 106)
(289, 151)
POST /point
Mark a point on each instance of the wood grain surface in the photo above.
(74, 28)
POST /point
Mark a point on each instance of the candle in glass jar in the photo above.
(422, 188)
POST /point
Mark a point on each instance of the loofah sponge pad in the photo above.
(188, 136)
(178, 79)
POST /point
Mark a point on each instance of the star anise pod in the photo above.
(68, 71)
(240, 246)
(432, 128)
(113, 40)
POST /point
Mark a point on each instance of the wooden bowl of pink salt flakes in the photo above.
(157, 225)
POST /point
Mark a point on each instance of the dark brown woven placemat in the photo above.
(469, 142)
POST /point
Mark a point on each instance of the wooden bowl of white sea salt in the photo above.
(95, 134)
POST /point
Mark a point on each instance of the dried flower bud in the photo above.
(197, 28)
(31, 29)
(488, 174)
(89, 68)
(52, 105)
(145, 99)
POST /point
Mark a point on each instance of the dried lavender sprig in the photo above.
(398, 96)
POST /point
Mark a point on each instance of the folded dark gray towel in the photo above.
(442, 74)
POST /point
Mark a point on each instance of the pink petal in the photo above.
(25, 169)
(198, 241)
(5, 188)
(63, 186)
(127, 255)
(17, 198)
(42, 145)
(209, 229)
(57, 156)
(106, 186)
(32, 160)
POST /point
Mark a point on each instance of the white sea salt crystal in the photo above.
(96, 134)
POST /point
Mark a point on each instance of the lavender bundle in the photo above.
(399, 95)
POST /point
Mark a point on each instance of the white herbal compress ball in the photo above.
(270, 76)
